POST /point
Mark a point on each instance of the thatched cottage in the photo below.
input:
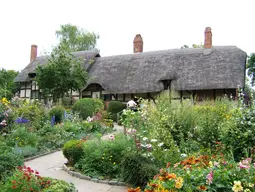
(206, 72)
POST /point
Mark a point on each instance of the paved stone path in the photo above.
(51, 166)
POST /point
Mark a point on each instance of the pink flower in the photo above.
(245, 164)
(209, 177)
(111, 137)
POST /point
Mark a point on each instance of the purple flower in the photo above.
(21, 120)
(52, 120)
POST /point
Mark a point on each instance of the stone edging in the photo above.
(84, 177)
(40, 155)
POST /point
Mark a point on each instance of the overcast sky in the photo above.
(163, 24)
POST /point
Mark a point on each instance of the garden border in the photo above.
(84, 177)
(40, 155)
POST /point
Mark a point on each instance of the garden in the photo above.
(165, 146)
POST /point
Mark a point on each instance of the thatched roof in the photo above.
(189, 69)
(23, 76)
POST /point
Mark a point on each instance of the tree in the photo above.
(62, 73)
(251, 67)
(76, 39)
(193, 46)
(7, 86)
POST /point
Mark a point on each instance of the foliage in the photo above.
(238, 132)
(53, 137)
(104, 157)
(8, 160)
(25, 179)
(22, 136)
(73, 151)
(87, 107)
(32, 111)
(205, 173)
(58, 113)
(7, 86)
(137, 169)
(115, 107)
(251, 67)
(26, 151)
(77, 39)
(60, 186)
(63, 73)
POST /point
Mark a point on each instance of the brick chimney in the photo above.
(33, 53)
(138, 44)
(208, 38)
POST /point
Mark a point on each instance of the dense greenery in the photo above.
(7, 86)
(87, 107)
(115, 107)
(63, 73)
(251, 67)
(76, 39)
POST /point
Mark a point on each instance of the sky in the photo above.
(163, 24)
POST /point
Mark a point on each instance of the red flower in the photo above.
(14, 187)
(31, 189)
(37, 172)
(14, 182)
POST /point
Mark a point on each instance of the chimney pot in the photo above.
(138, 44)
(208, 38)
(33, 53)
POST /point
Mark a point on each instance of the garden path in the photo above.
(51, 166)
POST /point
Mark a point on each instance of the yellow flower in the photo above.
(178, 182)
(114, 163)
(210, 164)
(237, 186)
(102, 157)
(5, 101)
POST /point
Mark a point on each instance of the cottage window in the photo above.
(22, 93)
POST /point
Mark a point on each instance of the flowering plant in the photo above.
(27, 180)
(205, 173)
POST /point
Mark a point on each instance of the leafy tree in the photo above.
(76, 39)
(193, 46)
(251, 67)
(7, 85)
(62, 73)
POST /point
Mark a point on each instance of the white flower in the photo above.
(148, 146)
(154, 140)
(160, 144)
(183, 155)
(145, 138)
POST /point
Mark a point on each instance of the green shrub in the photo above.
(115, 107)
(237, 133)
(8, 162)
(60, 186)
(87, 107)
(137, 169)
(58, 112)
(73, 151)
(103, 157)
